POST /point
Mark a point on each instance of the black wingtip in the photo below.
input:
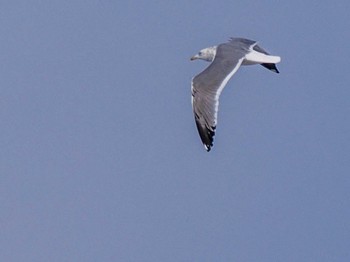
(206, 135)
(207, 147)
(271, 67)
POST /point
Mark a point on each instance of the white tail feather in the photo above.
(259, 58)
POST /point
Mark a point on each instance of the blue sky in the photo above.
(100, 159)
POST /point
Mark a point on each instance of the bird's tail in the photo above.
(260, 58)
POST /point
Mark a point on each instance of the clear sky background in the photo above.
(100, 159)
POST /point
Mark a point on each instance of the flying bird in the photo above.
(207, 86)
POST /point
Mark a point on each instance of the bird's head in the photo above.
(207, 54)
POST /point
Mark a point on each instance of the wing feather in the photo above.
(207, 87)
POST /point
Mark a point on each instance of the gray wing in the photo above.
(207, 87)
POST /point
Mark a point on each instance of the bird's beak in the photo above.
(193, 57)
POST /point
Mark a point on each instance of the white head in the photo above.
(207, 54)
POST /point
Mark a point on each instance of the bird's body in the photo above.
(207, 86)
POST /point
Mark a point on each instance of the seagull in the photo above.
(207, 86)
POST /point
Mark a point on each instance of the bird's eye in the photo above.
(200, 53)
